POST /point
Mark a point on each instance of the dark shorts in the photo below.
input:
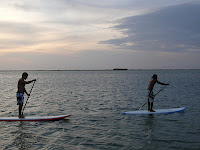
(20, 98)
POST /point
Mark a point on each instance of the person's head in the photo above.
(154, 76)
(25, 75)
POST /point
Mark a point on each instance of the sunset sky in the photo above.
(99, 34)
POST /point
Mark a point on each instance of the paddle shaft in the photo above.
(154, 96)
(160, 90)
(28, 98)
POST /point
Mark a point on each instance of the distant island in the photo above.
(120, 69)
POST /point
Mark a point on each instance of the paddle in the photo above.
(28, 97)
(154, 96)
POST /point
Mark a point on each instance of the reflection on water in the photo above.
(150, 122)
(96, 100)
(23, 139)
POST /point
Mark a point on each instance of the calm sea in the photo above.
(96, 100)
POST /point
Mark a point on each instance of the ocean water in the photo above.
(96, 100)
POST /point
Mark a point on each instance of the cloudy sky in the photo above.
(93, 34)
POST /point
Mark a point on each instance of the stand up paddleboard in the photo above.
(44, 118)
(157, 111)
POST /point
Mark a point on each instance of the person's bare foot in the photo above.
(21, 116)
(152, 111)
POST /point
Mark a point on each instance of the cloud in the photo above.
(18, 34)
(85, 12)
(170, 29)
(64, 34)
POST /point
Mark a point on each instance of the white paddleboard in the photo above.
(44, 118)
(157, 111)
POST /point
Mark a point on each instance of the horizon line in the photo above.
(115, 69)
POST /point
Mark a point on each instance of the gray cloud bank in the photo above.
(170, 29)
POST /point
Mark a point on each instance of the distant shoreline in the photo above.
(100, 70)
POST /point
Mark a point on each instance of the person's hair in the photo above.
(24, 74)
(154, 76)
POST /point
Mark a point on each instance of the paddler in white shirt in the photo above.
(150, 92)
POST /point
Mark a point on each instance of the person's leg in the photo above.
(148, 105)
(20, 110)
(151, 110)
(20, 100)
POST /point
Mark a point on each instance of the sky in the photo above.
(93, 34)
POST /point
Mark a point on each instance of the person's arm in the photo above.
(162, 83)
(26, 92)
(28, 82)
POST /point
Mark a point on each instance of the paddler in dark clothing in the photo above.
(21, 90)
(150, 92)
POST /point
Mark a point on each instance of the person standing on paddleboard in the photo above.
(21, 90)
(150, 92)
